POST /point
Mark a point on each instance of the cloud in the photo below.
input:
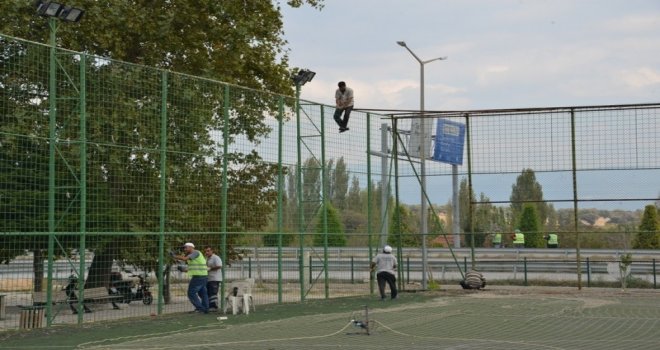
(640, 77)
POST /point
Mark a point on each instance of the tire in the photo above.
(147, 299)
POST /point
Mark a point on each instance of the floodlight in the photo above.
(49, 8)
(401, 43)
(71, 14)
(303, 76)
(309, 75)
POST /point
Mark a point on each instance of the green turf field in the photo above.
(525, 318)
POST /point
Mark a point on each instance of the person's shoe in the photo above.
(343, 129)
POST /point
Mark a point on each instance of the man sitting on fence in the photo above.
(473, 280)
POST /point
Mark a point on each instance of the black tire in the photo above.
(147, 299)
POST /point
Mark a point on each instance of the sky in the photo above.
(501, 53)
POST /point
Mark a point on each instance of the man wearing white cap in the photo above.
(385, 265)
(198, 273)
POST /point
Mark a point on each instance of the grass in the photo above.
(70, 336)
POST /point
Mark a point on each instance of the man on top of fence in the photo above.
(344, 102)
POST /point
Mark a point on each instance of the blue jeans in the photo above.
(343, 123)
(197, 293)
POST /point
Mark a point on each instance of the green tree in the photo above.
(530, 226)
(340, 184)
(648, 236)
(527, 189)
(405, 233)
(336, 236)
(236, 42)
(354, 200)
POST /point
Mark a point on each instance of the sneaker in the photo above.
(343, 129)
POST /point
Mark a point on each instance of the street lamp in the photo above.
(54, 10)
(422, 156)
(304, 76)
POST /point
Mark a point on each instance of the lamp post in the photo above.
(422, 156)
(303, 76)
(53, 10)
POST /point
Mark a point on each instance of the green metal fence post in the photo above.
(301, 228)
(408, 269)
(52, 138)
(525, 268)
(311, 277)
(163, 191)
(352, 271)
(397, 216)
(83, 184)
(225, 161)
(588, 273)
(280, 192)
(369, 214)
(324, 205)
(249, 267)
(575, 201)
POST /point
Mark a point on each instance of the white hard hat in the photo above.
(189, 245)
(387, 249)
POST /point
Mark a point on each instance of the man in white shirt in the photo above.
(344, 102)
(385, 266)
(214, 264)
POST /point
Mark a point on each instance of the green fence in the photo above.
(106, 167)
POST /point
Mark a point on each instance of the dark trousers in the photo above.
(212, 288)
(343, 123)
(390, 279)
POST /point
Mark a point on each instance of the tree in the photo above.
(528, 189)
(486, 216)
(236, 42)
(354, 200)
(340, 184)
(336, 236)
(405, 234)
(530, 226)
(648, 236)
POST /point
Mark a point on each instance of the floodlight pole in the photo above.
(52, 118)
(422, 157)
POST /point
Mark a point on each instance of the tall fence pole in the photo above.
(471, 216)
(397, 212)
(369, 204)
(163, 192)
(324, 205)
(52, 138)
(575, 202)
(83, 183)
(225, 162)
(280, 192)
(301, 228)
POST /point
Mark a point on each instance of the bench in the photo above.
(239, 296)
(91, 296)
(101, 295)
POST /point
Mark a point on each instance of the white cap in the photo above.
(189, 245)
(387, 249)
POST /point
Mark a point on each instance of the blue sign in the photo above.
(449, 140)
